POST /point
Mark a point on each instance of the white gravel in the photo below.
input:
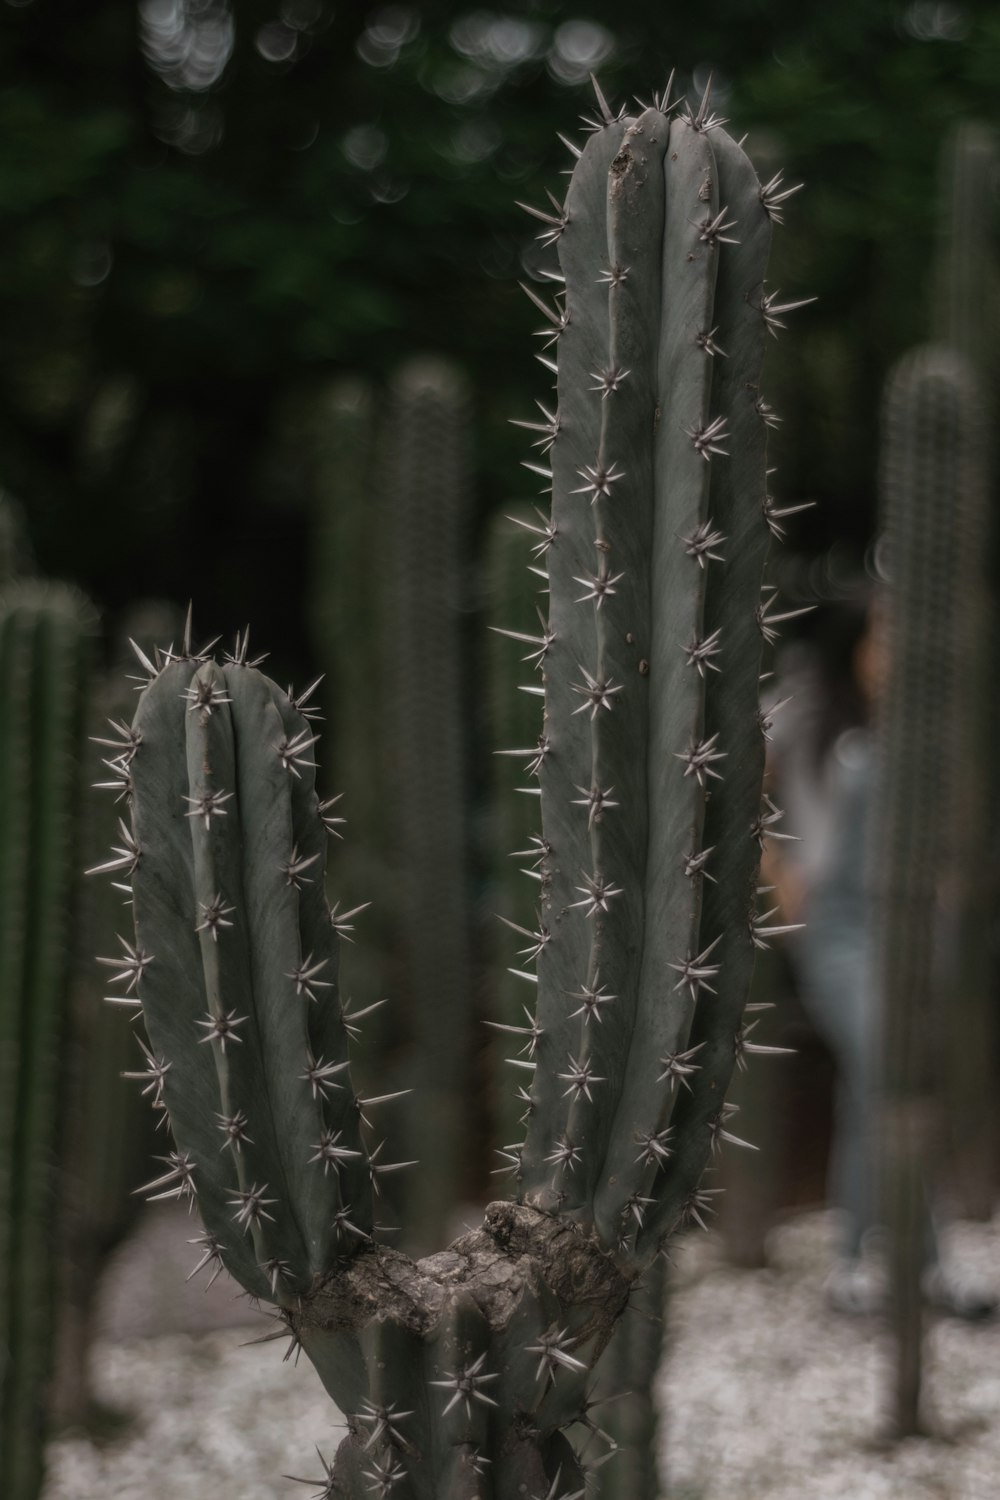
(767, 1396)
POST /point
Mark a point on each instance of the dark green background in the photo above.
(183, 268)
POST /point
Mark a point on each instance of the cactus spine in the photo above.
(513, 597)
(460, 1374)
(935, 505)
(44, 630)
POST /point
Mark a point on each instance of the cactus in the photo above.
(391, 628)
(964, 314)
(424, 518)
(966, 290)
(15, 548)
(44, 641)
(626, 1382)
(109, 1134)
(513, 595)
(460, 1374)
(935, 508)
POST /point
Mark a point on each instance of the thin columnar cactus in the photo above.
(966, 290)
(424, 517)
(15, 548)
(935, 507)
(44, 648)
(626, 1393)
(965, 312)
(391, 629)
(109, 1134)
(461, 1374)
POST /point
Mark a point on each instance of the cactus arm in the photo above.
(732, 710)
(564, 962)
(274, 948)
(661, 437)
(619, 824)
(681, 476)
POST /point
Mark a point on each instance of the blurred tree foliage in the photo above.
(210, 207)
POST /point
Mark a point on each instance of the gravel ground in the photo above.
(768, 1395)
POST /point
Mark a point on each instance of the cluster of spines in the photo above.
(604, 655)
(216, 777)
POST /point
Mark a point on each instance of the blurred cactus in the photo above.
(935, 504)
(110, 1133)
(390, 625)
(965, 317)
(626, 1382)
(44, 652)
(460, 1374)
(966, 290)
(15, 548)
(424, 515)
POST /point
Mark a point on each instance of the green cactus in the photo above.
(109, 1134)
(966, 289)
(626, 1382)
(424, 519)
(390, 627)
(460, 1374)
(44, 648)
(513, 595)
(15, 548)
(965, 310)
(935, 503)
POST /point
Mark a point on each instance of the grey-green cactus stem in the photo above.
(462, 1374)
(235, 962)
(515, 720)
(626, 1381)
(651, 712)
(45, 632)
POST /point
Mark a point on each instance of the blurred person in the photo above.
(821, 765)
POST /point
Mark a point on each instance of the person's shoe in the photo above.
(856, 1289)
(946, 1293)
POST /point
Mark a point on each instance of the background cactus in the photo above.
(392, 623)
(424, 515)
(44, 648)
(110, 1132)
(965, 313)
(935, 510)
(460, 1374)
(15, 549)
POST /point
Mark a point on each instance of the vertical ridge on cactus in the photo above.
(465, 1370)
